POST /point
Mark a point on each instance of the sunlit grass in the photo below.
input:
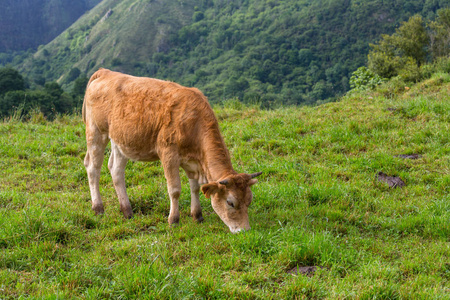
(318, 203)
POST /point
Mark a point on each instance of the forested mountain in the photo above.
(29, 23)
(274, 52)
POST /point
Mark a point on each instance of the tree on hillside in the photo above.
(440, 34)
(79, 89)
(74, 73)
(406, 48)
(58, 101)
(50, 100)
(10, 80)
(412, 39)
(413, 44)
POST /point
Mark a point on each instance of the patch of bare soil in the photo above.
(393, 182)
(409, 156)
(307, 271)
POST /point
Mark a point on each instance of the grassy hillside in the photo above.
(288, 52)
(112, 34)
(318, 204)
(27, 24)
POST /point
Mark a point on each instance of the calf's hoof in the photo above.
(98, 209)
(197, 217)
(127, 212)
(174, 220)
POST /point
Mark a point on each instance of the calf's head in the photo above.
(230, 199)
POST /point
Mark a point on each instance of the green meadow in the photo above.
(318, 204)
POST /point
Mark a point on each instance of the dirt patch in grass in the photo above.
(304, 270)
(393, 182)
(409, 156)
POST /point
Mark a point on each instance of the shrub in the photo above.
(50, 101)
(73, 74)
(363, 78)
(410, 71)
(10, 80)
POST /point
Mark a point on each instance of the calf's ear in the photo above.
(252, 182)
(210, 188)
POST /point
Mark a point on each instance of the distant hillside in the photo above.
(29, 23)
(286, 52)
(116, 33)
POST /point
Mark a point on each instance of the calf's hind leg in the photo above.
(116, 165)
(96, 144)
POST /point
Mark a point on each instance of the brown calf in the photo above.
(148, 119)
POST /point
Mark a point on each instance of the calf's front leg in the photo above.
(196, 210)
(171, 165)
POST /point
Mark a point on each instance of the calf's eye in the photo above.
(230, 203)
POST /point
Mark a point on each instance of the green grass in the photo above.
(318, 203)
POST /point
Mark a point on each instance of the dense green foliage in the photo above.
(286, 52)
(273, 52)
(318, 203)
(439, 36)
(49, 100)
(10, 80)
(364, 78)
(28, 24)
(414, 43)
(78, 90)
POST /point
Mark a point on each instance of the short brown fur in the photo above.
(149, 119)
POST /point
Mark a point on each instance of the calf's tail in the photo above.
(83, 110)
(93, 77)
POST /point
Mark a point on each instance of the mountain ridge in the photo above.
(27, 24)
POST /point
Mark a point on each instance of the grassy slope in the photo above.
(317, 203)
